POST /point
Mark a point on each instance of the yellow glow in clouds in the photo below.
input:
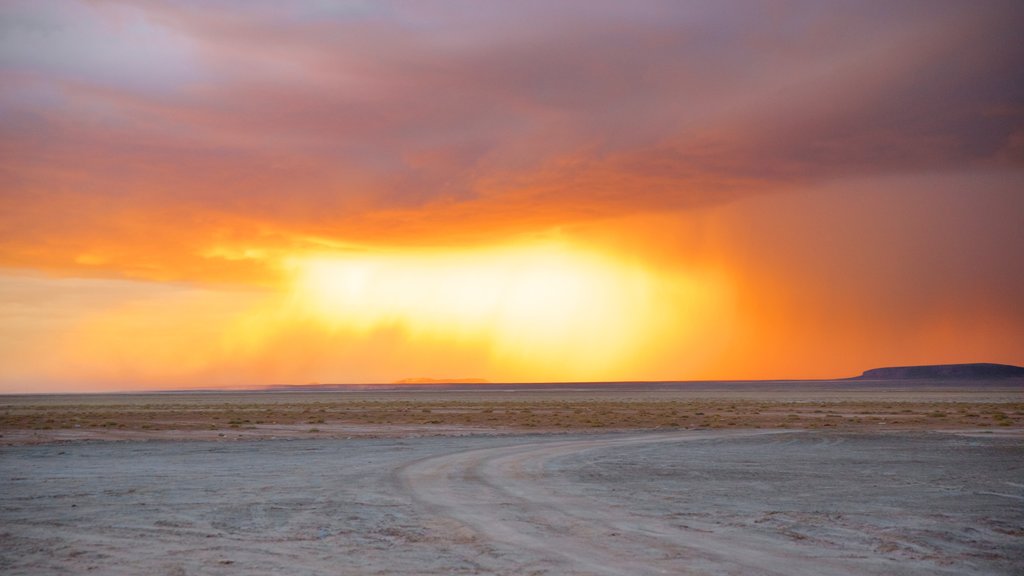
(547, 310)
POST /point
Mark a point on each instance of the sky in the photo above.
(230, 194)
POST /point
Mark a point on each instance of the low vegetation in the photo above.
(366, 413)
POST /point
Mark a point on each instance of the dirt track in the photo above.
(506, 497)
(691, 502)
(500, 495)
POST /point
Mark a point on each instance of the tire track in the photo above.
(507, 499)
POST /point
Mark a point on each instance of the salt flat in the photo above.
(719, 501)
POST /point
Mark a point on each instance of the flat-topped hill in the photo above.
(949, 371)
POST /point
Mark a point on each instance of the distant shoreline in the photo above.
(897, 378)
(732, 386)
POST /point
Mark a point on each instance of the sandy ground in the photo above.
(505, 409)
(717, 501)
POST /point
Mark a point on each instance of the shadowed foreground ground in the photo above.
(815, 480)
(692, 502)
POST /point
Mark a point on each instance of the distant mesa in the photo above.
(948, 371)
(441, 381)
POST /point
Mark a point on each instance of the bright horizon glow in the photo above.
(231, 194)
(545, 308)
(537, 311)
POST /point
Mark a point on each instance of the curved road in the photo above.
(522, 521)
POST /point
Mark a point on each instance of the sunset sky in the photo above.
(220, 194)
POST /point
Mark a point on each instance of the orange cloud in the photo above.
(834, 182)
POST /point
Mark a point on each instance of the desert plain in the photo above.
(836, 477)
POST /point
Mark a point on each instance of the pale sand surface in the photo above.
(785, 478)
(681, 502)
